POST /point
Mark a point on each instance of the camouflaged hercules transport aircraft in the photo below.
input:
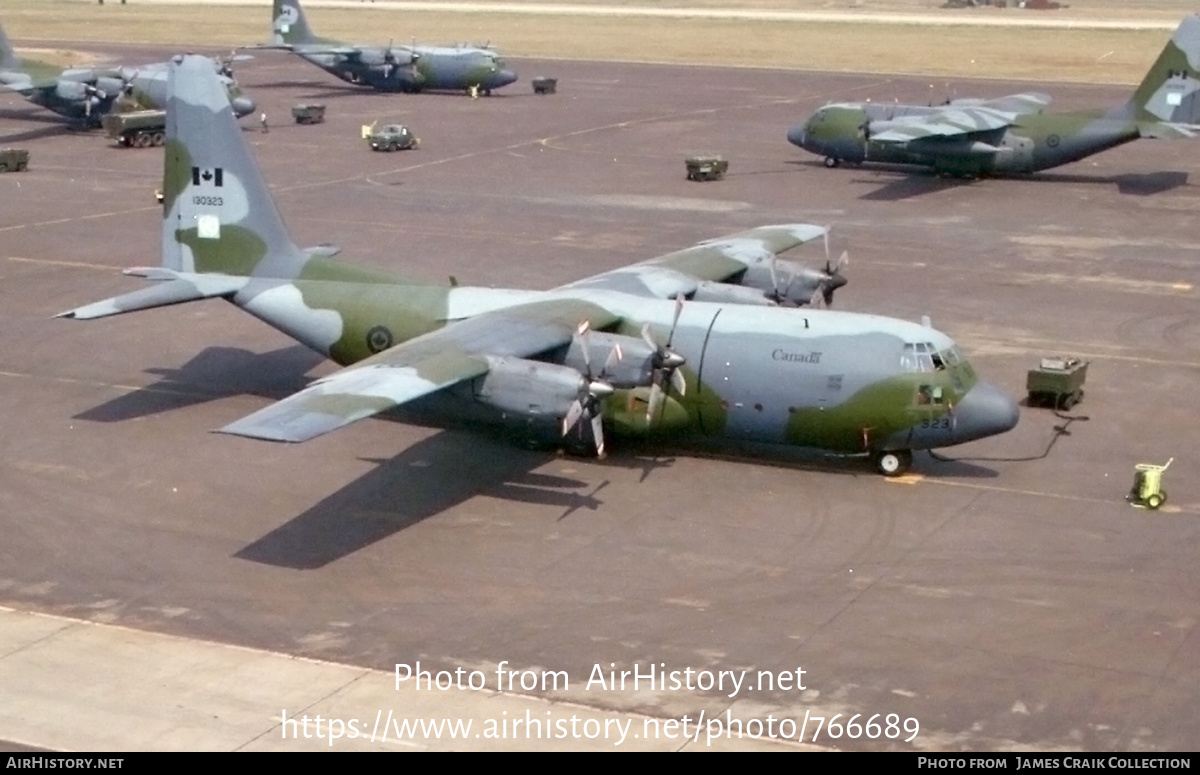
(620, 351)
(84, 94)
(970, 138)
(386, 68)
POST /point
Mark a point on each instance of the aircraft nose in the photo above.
(505, 77)
(242, 106)
(796, 136)
(984, 411)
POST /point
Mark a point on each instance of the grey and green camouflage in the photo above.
(1011, 134)
(414, 68)
(700, 340)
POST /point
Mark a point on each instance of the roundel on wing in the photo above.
(379, 339)
(1052, 141)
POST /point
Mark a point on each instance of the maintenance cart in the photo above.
(308, 113)
(1057, 382)
(544, 85)
(136, 129)
(1147, 488)
(706, 167)
(13, 159)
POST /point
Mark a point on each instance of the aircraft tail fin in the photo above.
(1170, 92)
(218, 214)
(288, 25)
(8, 57)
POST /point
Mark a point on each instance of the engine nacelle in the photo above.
(110, 84)
(730, 294)
(531, 389)
(72, 91)
(633, 370)
(78, 75)
(793, 283)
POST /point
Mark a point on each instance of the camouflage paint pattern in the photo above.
(836, 380)
(83, 95)
(1011, 134)
(390, 68)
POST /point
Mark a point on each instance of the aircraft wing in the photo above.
(951, 122)
(1026, 102)
(18, 82)
(715, 260)
(421, 366)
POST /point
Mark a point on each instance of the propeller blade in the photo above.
(666, 362)
(834, 279)
(572, 417)
(598, 434)
(678, 382)
(581, 331)
(675, 321)
(615, 356)
(656, 400)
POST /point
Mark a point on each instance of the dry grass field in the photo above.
(1086, 55)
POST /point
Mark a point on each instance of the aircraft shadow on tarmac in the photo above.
(909, 183)
(827, 463)
(423, 481)
(32, 134)
(215, 372)
(454, 466)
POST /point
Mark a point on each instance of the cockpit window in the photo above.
(929, 395)
(921, 356)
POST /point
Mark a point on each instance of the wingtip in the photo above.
(253, 431)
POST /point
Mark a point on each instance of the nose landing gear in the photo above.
(892, 462)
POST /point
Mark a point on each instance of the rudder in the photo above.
(1170, 91)
(218, 214)
(288, 25)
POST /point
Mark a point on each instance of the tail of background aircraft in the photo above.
(288, 25)
(8, 57)
(1170, 91)
(220, 227)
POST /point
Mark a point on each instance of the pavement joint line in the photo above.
(61, 262)
(357, 674)
(112, 385)
(1037, 493)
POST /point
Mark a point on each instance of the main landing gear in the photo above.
(892, 462)
(832, 161)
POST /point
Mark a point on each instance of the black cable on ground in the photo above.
(1059, 432)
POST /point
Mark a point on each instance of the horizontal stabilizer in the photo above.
(181, 287)
(1163, 130)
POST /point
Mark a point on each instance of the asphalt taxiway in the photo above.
(1002, 604)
